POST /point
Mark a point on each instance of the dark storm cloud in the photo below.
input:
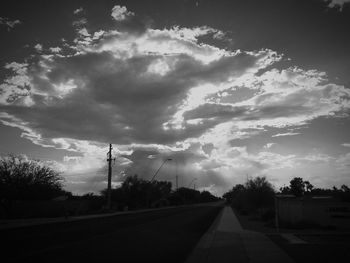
(118, 99)
(178, 88)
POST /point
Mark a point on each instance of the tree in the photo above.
(297, 186)
(136, 192)
(345, 188)
(233, 193)
(206, 196)
(285, 190)
(188, 195)
(255, 194)
(24, 179)
(260, 192)
(308, 186)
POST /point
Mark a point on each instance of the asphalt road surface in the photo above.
(167, 235)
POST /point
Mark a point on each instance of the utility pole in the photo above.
(177, 184)
(109, 189)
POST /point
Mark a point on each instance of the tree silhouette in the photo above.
(308, 186)
(285, 190)
(254, 195)
(297, 186)
(24, 179)
(136, 192)
(206, 196)
(231, 195)
(260, 192)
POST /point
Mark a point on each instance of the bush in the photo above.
(254, 196)
(24, 179)
(136, 193)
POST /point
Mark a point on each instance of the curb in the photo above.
(201, 251)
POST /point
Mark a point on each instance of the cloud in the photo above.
(269, 145)
(161, 92)
(346, 144)
(10, 24)
(55, 49)
(38, 47)
(80, 22)
(337, 3)
(343, 163)
(78, 10)
(289, 97)
(115, 86)
(315, 158)
(83, 32)
(16, 88)
(285, 134)
(120, 13)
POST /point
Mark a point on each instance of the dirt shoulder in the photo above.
(254, 223)
(317, 246)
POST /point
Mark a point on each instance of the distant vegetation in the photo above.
(136, 193)
(256, 196)
(299, 187)
(28, 188)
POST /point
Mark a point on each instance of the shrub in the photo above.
(24, 179)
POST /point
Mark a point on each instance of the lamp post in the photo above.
(160, 167)
(169, 159)
(191, 182)
(176, 175)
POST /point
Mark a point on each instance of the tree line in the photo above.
(136, 193)
(298, 187)
(24, 179)
(257, 195)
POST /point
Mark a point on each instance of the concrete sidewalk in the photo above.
(227, 241)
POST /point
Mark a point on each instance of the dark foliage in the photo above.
(206, 196)
(299, 187)
(136, 193)
(23, 179)
(256, 195)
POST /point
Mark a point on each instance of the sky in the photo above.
(228, 90)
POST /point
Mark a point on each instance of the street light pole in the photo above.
(169, 159)
(148, 192)
(177, 179)
(191, 182)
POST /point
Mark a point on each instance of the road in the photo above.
(167, 235)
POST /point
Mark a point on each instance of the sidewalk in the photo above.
(227, 241)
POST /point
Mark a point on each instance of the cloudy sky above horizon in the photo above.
(227, 89)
